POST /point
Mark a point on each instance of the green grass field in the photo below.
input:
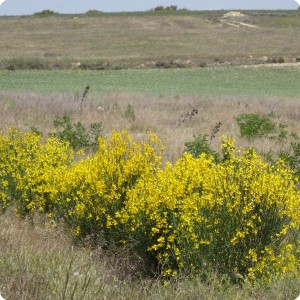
(226, 81)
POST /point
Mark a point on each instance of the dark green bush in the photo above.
(45, 13)
(171, 7)
(159, 8)
(292, 157)
(167, 8)
(76, 134)
(277, 60)
(254, 125)
(200, 145)
(35, 130)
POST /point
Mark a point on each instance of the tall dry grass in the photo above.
(156, 113)
(39, 262)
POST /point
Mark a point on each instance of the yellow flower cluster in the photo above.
(91, 194)
(27, 167)
(224, 214)
(236, 216)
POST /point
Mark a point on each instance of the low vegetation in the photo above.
(78, 136)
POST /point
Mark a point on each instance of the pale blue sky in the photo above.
(21, 7)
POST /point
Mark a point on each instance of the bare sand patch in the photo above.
(274, 65)
(233, 14)
(234, 18)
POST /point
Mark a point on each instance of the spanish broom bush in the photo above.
(239, 216)
(26, 169)
(90, 194)
(235, 217)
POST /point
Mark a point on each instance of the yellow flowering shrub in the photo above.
(91, 194)
(235, 216)
(27, 167)
(239, 216)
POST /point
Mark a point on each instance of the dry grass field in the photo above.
(38, 260)
(148, 39)
(154, 113)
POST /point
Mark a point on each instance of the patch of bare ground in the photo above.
(236, 19)
(160, 114)
(274, 65)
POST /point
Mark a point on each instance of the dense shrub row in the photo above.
(239, 215)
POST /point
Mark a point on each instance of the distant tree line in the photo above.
(171, 7)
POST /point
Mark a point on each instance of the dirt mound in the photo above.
(233, 14)
(234, 18)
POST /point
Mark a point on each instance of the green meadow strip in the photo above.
(235, 81)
